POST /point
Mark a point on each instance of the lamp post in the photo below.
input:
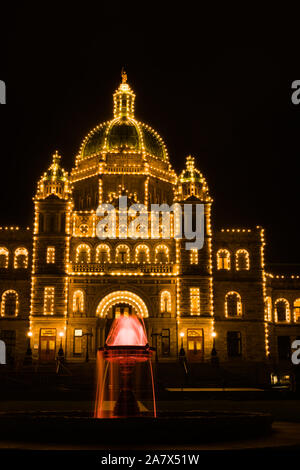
(60, 354)
(182, 360)
(28, 355)
(181, 351)
(214, 354)
(87, 334)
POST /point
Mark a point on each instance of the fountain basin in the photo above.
(192, 427)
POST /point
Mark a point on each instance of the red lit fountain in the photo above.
(125, 377)
(125, 390)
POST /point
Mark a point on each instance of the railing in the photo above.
(109, 268)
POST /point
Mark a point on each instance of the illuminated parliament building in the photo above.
(62, 286)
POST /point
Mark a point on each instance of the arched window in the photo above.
(103, 253)
(21, 258)
(142, 254)
(165, 301)
(9, 304)
(268, 309)
(83, 253)
(122, 254)
(4, 256)
(161, 254)
(297, 310)
(282, 310)
(242, 260)
(233, 304)
(78, 301)
(223, 259)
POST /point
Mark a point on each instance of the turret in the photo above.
(53, 205)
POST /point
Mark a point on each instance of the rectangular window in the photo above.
(165, 342)
(49, 301)
(77, 349)
(234, 343)
(50, 255)
(284, 347)
(194, 256)
(195, 300)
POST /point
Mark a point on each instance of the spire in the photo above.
(56, 158)
(124, 99)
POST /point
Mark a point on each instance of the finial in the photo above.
(123, 75)
(190, 162)
(56, 157)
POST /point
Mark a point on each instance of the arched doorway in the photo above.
(115, 304)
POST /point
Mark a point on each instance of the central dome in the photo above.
(124, 132)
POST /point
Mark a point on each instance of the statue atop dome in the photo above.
(123, 75)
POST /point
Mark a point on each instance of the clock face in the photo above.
(84, 228)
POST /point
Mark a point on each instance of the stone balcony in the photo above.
(130, 268)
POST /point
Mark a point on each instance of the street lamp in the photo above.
(214, 354)
(182, 358)
(60, 354)
(28, 355)
(181, 351)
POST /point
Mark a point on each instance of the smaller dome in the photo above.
(191, 182)
(190, 174)
(55, 181)
(55, 172)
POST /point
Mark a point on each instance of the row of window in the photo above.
(20, 257)
(122, 254)
(79, 301)
(233, 304)
(282, 310)
(242, 260)
(162, 343)
(195, 343)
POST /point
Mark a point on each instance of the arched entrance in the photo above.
(105, 309)
(116, 303)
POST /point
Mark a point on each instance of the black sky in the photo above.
(229, 106)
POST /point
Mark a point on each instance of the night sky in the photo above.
(228, 106)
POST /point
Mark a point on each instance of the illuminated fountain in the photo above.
(125, 386)
(125, 389)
